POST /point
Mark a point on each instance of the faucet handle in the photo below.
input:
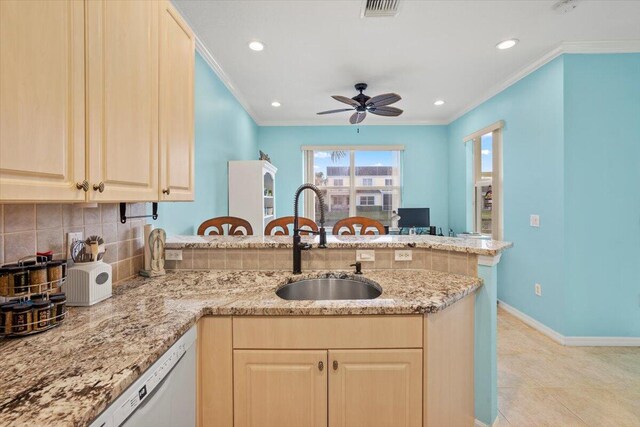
(358, 266)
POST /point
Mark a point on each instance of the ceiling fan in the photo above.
(362, 104)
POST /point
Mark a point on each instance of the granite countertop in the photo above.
(67, 376)
(456, 244)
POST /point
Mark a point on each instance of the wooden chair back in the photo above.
(236, 226)
(345, 226)
(280, 226)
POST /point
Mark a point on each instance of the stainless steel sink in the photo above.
(329, 288)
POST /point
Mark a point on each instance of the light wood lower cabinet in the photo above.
(309, 371)
(280, 388)
(375, 388)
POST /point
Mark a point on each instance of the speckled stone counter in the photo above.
(453, 244)
(70, 374)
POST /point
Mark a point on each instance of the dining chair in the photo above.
(280, 226)
(235, 226)
(346, 226)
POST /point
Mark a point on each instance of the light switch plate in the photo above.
(537, 289)
(173, 254)
(534, 220)
(363, 255)
(403, 255)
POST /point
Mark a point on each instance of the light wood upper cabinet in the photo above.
(177, 47)
(122, 99)
(42, 142)
(375, 388)
(280, 388)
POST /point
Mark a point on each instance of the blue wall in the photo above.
(223, 131)
(533, 184)
(602, 187)
(572, 155)
(424, 162)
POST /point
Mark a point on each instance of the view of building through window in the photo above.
(484, 186)
(356, 183)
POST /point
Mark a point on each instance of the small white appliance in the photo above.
(164, 396)
(88, 283)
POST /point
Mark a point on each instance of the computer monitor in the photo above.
(413, 217)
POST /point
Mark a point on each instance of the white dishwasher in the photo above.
(165, 395)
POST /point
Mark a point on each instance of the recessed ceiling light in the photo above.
(507, 44)
(439, 102)
(275, 104)
(256, 45)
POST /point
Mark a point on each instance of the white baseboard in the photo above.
(570, 341)
(479, 423)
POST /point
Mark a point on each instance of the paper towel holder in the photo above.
(124, 217)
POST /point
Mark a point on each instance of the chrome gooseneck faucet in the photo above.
(298, 246)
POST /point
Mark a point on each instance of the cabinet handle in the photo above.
(335, 365)
(84, 185)
(321, 365)
(98, 187)
(166, 191)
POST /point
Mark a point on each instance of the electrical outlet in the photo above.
(71, 239)
(534, 220)
(362, 255)
(404, 255)
(538, 289)
(173, 254)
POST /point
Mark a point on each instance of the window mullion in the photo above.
(352, 183)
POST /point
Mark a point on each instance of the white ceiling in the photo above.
(431, 50)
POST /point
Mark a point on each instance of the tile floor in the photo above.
(542, 383)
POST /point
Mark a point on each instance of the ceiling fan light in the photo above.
(507, 44)
(439, 102)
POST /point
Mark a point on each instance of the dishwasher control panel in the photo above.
(127, 403)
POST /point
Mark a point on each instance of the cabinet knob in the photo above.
(98, 187)
(321, 365)
(335, 365)
(84, 185)
(166, 191)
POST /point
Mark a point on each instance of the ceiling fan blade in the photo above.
(385, 111)
(384, 99)
(357, 117)
(346, 100)
(335, 111)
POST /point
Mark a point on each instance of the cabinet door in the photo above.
(375, 388)
(122, 101)
(283, 388)
(42, 143)
(177, 56)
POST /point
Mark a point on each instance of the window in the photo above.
(356, 181)
(487, 181)
(387, 202)
(367, 200)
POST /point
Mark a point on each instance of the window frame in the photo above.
(367, 182)
(308, 172)
(496, 181)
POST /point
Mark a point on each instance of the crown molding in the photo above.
(274, 123)
(621, 46)
(215, 66)
(618, 46)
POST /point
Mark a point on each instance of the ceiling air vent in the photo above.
(380, 8)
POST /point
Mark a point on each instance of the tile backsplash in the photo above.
(29, 228)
